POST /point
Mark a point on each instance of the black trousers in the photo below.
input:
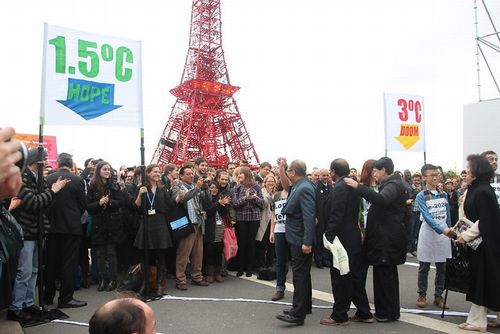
(321, 254)
(245, 234)
(212, 254)
(350, 287)
(301, 269)
(83, 256)
(265, 250)
(386, 292)
(62, 260)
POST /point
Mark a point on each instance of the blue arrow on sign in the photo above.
(90, 99)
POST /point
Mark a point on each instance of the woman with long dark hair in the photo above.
(368, 180)
(248, 203)
(154, 201)
(481, 205)
(105, 202)
(217, 212)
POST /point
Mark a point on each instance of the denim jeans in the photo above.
(281, 249)
(423, 273)
(27, 271)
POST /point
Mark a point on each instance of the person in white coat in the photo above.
(433, 245)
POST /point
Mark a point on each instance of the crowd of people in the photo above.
(280, 213)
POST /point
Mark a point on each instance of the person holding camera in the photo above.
(26, 214)
(10, 173)
(193, 198)
(11, 157)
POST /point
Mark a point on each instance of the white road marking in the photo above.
(414, 319)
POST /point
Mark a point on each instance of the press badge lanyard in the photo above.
(151, 201)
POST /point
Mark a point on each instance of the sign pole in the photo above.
(40, 179)
(385, 125)
(145, 269)
(41, 266)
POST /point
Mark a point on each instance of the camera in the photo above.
(24, 157)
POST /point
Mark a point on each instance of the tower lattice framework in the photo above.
(205, 120)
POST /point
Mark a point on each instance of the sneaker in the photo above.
(278, 295)
(421, 301)
(439, 302)
(18, 315)
(32, 310)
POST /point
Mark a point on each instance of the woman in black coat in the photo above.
(213, 243)
(104, 203)
(385, 240)
(481, 204)
(155, 203)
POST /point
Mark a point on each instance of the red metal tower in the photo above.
(205, 120)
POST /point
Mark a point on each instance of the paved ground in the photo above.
(195, 316)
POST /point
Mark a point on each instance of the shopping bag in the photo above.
(133, 279)
(230, 243)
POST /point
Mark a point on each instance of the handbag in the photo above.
(458, 274)
(230, 243)
(133, 280)
(181, 228)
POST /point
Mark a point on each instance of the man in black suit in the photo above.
(343, 210)
(65, 234)
(300, 224)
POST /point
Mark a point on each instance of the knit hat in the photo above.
(33, 156)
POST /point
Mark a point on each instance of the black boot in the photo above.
(160, 274)
(102, 284)
(142, 289)
(111, 285)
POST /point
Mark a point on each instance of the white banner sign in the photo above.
(91, 79)
(404, 122)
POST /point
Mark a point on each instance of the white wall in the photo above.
(481, 131)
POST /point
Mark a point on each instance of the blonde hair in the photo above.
(236, 172)
(270, 176)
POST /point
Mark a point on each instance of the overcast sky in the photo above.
(312, 73)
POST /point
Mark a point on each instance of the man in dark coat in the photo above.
(343, 211)
(385, 241)
(300, 223)
(323, 189)
(65, 234)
